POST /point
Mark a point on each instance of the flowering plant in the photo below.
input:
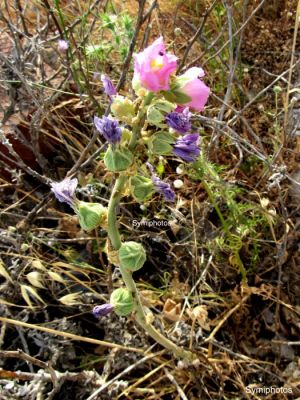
(158, 123)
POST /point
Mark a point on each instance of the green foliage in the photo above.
(116, 31)
(117, 160)
(141, 187)
(161, 143)
(241, 220)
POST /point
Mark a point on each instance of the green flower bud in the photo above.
(123, 109)
(122, 301)
(277, 89)
(132, 256)
(118, 159)
(91, 215)
(141, 187)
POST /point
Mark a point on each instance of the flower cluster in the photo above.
(139, 132)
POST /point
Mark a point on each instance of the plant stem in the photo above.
(115, 239)
(224, 224)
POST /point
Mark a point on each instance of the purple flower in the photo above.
(109, 128)
(103, 310)
(109, 88)
(64, 191)
(179, 121)
(187, 147)
(161, 187)
(62, 45)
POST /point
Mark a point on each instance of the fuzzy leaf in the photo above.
(118, 159)
(162, 143)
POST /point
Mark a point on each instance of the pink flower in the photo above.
(153, 67)
(63, 45)
(195, 88)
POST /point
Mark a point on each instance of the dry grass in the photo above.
(52, 273)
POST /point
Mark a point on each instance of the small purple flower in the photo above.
(62, 45)
(64, 191)
(187, 147)
(109, 88)
(109, 128)
(179, 121)
(103, 310)
(161, 186)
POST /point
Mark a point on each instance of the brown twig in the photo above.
(139, 23)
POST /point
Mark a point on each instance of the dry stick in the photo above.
(70, 335)
(286, 102)
(224, 319)
(150, 10)
(212, 45)
(124, 372)
(139, 23)
(236, 33)
(232, 63)
(195, 37)
(244, 121)
(20, 163)
(175, 383)
(26, 357)
(20, 9)
(238, 113)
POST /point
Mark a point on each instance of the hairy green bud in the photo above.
(123, 109)
(91, 215)
(118, 159)
(122, 301)
(132, 256)
(141, 187)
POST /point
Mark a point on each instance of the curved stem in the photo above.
(115, 239)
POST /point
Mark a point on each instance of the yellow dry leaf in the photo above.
(56, 277)
(37, 264)
(172, 310)
(4, 273)
(150, 299)
(35, 278)
(70, 299)
(200, 314)
(28, 290)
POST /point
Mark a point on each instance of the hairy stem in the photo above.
(115, 239)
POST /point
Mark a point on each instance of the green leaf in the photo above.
(154, 116)
(162, 143)
(181, 98)
(118, 159)
(175, 96)
(141, 188)
(164, 106)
